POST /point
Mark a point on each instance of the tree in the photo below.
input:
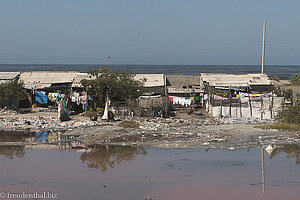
(12, 151)
(290, 115)
(274, 78)
(104, 157)
(119, 85)
(11, 90)
(295, 79)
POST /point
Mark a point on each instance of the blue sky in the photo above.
(200, 32)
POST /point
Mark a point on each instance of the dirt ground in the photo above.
(225, 136)
(187, 132)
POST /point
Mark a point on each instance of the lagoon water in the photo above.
(284, 72)
(133, 173)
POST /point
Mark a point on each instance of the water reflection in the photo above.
(104, 157)
(12, 151)
(292, 151)
(10, 136)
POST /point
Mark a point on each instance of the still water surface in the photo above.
(116, 172)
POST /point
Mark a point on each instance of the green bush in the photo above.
(91, 113)
(274, 78)
(129, 124)
(281, 126)
(11, 90)
(295, 79)
(290, 115)
(100, 110)
(288, 94)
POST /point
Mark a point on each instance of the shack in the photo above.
(240, 95)
(9, 76)
(183, 87)
(79, 93)
(76, 85)
(236, 82)
(154, 83)
(53, 84)
(153, 101)
(185, 95)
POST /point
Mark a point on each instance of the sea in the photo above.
(283, 72)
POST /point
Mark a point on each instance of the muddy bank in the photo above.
(39, 121)
(163, 133)
(185, 135)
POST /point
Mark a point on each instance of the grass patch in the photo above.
(280, 126)
(129, 124)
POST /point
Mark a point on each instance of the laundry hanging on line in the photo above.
(184, 101)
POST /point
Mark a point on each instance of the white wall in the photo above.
(260, 109)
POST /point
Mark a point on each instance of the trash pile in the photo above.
(7, 112)
(179, 130)
(41, 123)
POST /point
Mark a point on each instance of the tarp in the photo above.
(41, 98)
(41, 136)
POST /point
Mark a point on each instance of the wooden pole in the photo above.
(263, 49)
(261, 107)
(166, 95)
(271, 105)
(87, 99)
(250, 105)
(221, 107)
(230, 106)
(240, 102)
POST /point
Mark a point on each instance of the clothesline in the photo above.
(184, 101)
(242, 94)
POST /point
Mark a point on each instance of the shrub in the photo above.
(11, 90)
(100, 110)
(281, 126)
(274, 78)
(91, 113)
(290, 115)
(295, 79)
(129, 124)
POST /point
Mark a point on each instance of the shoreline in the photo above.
(224, 133)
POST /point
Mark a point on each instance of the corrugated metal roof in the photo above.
(79, 77)
(183, 84)
(178, 81)
(152, 80)
(8, 75)
(36, 78)
(243, 80)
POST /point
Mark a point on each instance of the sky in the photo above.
(153, 32)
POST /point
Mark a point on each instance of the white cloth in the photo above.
(181, 100)
(73, 99)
